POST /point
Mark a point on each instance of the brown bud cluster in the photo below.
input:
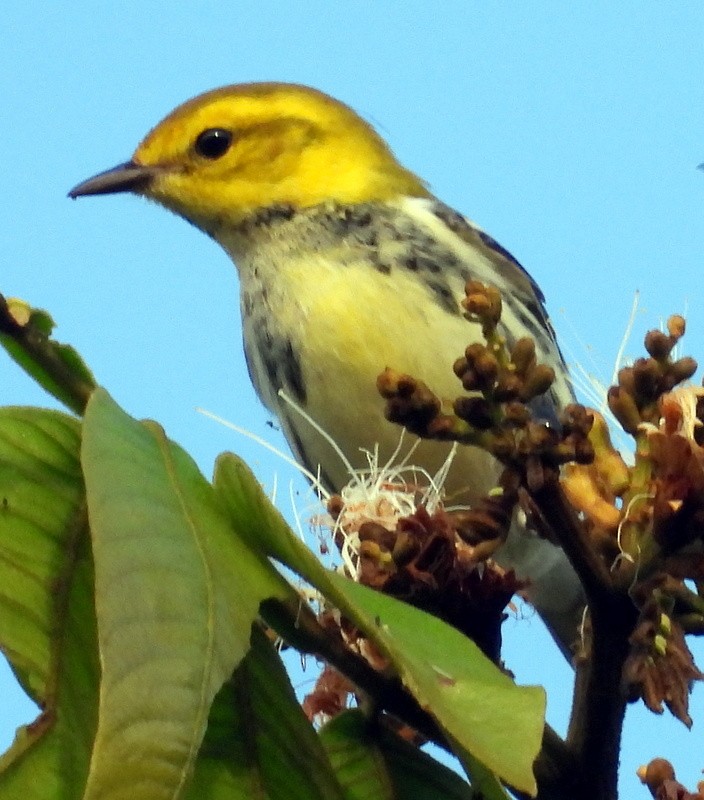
(576, 444)
(638, 517)
(642, 521)
(482, 304)
(423, 562)
(496, 414)
(521, 379)
(634, 399)
(677, 464)
(409, 402)
(660, 668)
(485, 526)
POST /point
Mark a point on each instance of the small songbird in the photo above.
(347, 264)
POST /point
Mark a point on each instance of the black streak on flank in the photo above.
(302, 457)
(459, 225)
(293, 372)
(470, 233)
(247, 304)
(454, 221)
(444, 296)
(280, 362)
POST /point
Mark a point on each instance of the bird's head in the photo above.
(227, 153)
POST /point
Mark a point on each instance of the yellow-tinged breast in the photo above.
(343, 311)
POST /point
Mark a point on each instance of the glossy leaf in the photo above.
(47, 615)
(375, 764)
(176, 595)
(259, 742)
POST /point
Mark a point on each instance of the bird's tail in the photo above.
(554, 589)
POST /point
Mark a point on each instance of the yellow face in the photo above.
(229, 152)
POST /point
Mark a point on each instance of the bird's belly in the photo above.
(354, 324)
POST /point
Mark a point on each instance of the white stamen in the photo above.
(316, 427)
(267, 446)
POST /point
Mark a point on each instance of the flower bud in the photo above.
(537, 382)
(523, 355)
(658, 344)
(475, 410)
(624, 408)
(683, 369)
(676, 326)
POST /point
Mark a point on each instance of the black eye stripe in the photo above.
(213, 143)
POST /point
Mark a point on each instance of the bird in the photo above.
(347, 264)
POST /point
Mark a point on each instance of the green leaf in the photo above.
(355, 753)
(479, 707)
(484, 782)
(259, 523)
(46, 603)
(25, 334)
(375, 764)
(259, 742)
(176, 595)
(483, 710)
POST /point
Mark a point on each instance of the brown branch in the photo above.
(563, 522)
(296, 623)
(555, 768)
(599, 702)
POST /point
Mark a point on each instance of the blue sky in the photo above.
(570, 132)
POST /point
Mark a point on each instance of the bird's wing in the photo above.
(524, 297)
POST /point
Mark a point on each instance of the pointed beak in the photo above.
(127, 177)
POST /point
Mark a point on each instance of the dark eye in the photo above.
(213, 142)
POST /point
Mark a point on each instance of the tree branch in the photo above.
(567, 529)
(599, 703)
(297, 624)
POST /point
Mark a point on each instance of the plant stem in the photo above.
(296, 623)
(599, 704)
